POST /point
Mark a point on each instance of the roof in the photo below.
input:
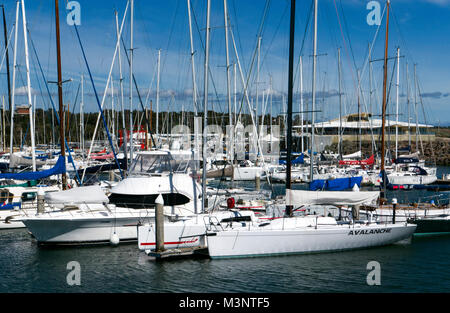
(365, 122)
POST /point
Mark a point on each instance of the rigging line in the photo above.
(253, 58)
(304, 39)
(345, 42)
(171, 31)
(53, 104)
(425, 117)
(6, 49)
(98, 102)
(209, 68)
(275, 34)
(239, 36)
(348, 33)
(138, 93)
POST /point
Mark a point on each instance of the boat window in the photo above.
(5, 195)
(29, 196)
(146, 201)
(161, 163)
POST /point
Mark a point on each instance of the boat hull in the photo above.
(248, 243)
(82, 230)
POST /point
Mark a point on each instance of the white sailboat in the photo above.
(301, 234)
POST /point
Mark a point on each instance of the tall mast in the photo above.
(131, 79)
(225, 8)
(230, 121)
(194, 86)
(205, 104)
(415, 107)
(30, 103)
(359, 112)
(370, 87)
(396, 109)
(409, 107)
(157, 95)
(124, 133)
(257, 86)
(235, 92)
(340, 106)
(383, 114)
(82, 116)
(313, 104)
(11, 136)
(301, 101)
(60, 96)
(5, 31)
(289, 207)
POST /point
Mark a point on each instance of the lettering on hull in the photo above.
(369, 231)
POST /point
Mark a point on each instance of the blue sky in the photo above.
(420, 28)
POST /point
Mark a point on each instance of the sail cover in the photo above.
(77, 195)
(353, 155)
(16, 160)
(59, 168)
(336, 184)
(307, 197)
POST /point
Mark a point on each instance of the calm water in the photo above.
(419, 266)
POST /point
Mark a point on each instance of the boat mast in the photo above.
(82, 116)
(230, 121)
(383, 114)
(131, 79)
(124, 133)
(157, 95)
(257, 87)
(409, 108)
(7, 56)
(340, 106)
(396, 115)
(205, 105)
(313, 92)
(194, 86)
(60, 96)
(11, 143)
(289, 207)
(301, 102)
(30, 103)
(415, 107)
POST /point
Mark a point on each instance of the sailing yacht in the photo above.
(308, 233)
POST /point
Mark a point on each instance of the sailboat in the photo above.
(301, 234)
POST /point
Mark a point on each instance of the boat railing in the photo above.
(212, 223)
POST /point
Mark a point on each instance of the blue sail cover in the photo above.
(298, 160)
(337, 184)
(59, 168)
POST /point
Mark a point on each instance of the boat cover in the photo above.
(78, 195)
(336, 184)
(307, 197)
(59, 168)
(353, 155)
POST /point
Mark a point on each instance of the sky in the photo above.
(418, 28)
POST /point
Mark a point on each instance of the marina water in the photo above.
(420, 265)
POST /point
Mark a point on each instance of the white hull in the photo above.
(82, 230)
(247, 173)
(411, 179)
(263, 242)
